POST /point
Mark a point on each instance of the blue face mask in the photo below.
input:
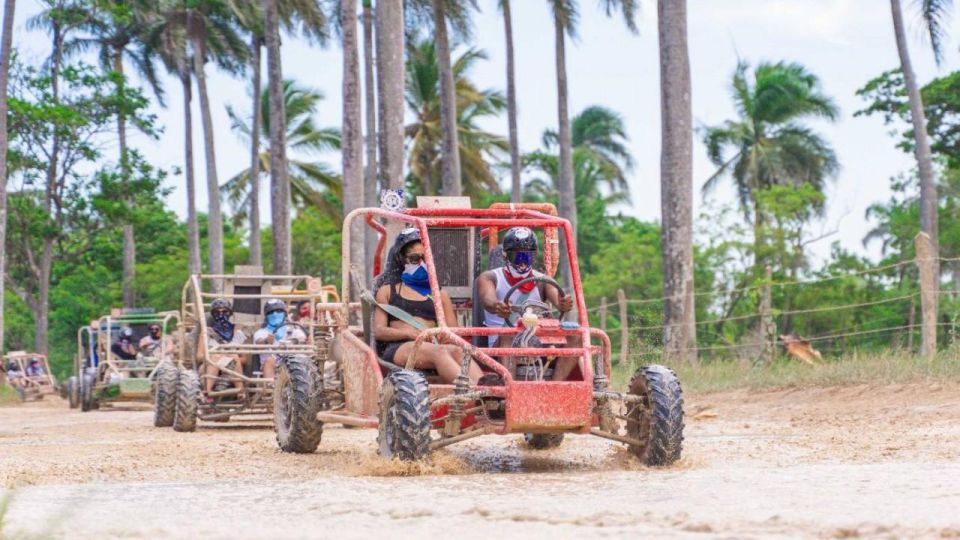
(415, 276)
(276, 318)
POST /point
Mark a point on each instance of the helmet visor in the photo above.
(520, 259)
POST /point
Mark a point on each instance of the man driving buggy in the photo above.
(276, 329)
(222, 331)
(520, 247)
(152, 343)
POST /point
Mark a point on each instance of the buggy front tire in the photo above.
(404, 431)
(87, 382)
(188, 398)
(165, 394)
(297, 392)
(73, 392)
(543, 441)
(657, 420)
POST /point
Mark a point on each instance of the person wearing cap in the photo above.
(520, 246)
(151, 344)
(34, 369)
(412, 294)
(222, 331)
(276, 330)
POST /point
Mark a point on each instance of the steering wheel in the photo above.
(535, 279)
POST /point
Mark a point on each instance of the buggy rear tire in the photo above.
(543, 441)
(73, 392)
(188, 398)
(165, 394)
(87, 382)
(297, 391)
(657, 421)
(404, 431)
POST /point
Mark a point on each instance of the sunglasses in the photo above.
(414, 258)
(221, 311)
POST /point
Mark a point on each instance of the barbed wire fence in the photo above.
(892, 306)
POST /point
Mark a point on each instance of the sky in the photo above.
(844, 42)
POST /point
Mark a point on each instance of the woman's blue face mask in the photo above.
(276, 318)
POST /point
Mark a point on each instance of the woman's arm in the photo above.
(382, 331)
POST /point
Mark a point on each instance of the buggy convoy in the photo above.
(29, 374)
(101, 376)
(239, 387)
(415, 414)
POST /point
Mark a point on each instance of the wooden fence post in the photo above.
(624, 328)
(768, 329)
(928, 295)
(603, 314)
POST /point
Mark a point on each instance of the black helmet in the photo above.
(126, 333)
(405, 238)
(274, 304)
(520, 239)
(221, 303)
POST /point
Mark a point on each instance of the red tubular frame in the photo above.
(493, 219)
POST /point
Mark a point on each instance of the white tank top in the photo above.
(492, 319)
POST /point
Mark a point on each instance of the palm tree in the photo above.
(308, 179)
(515, 165)
(352, 155)
(114, 30)
(477, 148)
(166, 38)
(676, 183)
(370, 172)
(6, 44)
(390, 90)
(600, 156)
(279, 180)
(565, 18)
(768, 144)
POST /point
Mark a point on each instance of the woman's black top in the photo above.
(422, 309)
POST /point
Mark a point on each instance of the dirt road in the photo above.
(837, 462)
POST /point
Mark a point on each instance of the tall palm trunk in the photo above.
(6, 44)
(568, 198)
(279, 182)
(370, 173)
(515, 194)
(352, 138)
(256, 255)
(928, 185)
(452, 184)
(129, 241)
(676, 183)
(193, 229)
(214, 217)
(390, 89)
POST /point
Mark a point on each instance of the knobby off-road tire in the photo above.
(297, 391)
(543, 441)
(165, 394)
(658, 419)
(73, 392)
(188, 398)
(404, 430)
(87, 381)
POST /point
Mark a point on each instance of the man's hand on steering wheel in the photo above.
(503, 309)
(565, 304)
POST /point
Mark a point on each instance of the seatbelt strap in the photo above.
(393, 310)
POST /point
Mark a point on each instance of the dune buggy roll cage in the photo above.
(296, 288)
(490, 220)
(105, 327)
(39, 384)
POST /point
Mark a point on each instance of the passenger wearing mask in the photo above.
(395, 337)
(124, 348)
(275, 329)
(222, 331)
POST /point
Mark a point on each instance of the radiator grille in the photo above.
(453, 256)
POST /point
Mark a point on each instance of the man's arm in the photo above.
(487, 292)
(564, 304)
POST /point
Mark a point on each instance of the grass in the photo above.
(8, 396)
(873, 368)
